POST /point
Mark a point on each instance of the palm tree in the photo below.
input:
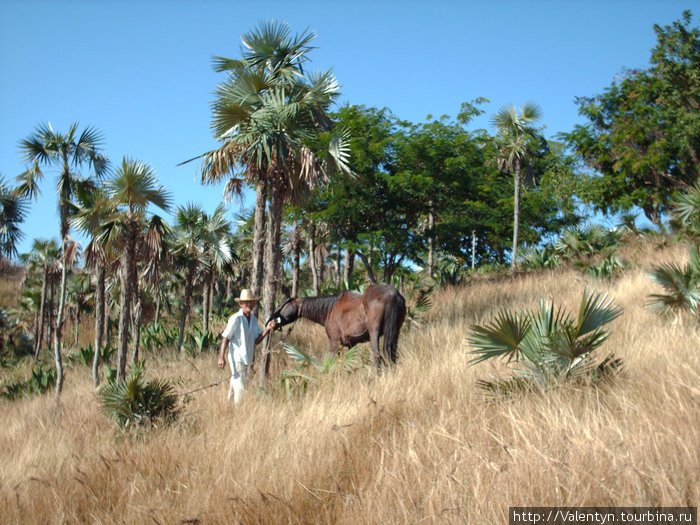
(44, 256)
(79, 298)
(132, 188)
(152, 252)
(266, 114)
(13, 209)
(217, 256)
(516, 132)
(94, 208)
(188, 233)
(72, 149)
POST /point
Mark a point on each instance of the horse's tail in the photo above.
(394, 316)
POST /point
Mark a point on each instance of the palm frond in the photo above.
(500, 338)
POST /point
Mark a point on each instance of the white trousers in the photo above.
(239, 380)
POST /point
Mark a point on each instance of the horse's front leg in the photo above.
(333, 334)
(335, 346)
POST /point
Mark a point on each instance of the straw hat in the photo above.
(246, 295)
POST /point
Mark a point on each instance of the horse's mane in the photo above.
(317, 308)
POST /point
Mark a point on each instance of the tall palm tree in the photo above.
(13, 210)
(44, 257)
(69, 151)
(93, 209)
(516, 131)
(79, 298)
(152, 252)
(217, 256)
(132, 188)
(267, 113)
(188, 233)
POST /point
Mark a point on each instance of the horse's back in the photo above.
(384, 293)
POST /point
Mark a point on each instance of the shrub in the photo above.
(86, 354)
(41, 380)
(681, 284)
(308, 368)
(606, 269)
(136, 401)
(548, 344)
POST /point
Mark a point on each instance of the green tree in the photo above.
(514, 152)
(47, 147)
(643, 133)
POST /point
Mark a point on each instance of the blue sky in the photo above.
(141, 71)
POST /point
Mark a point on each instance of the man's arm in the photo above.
(222, 352)
(268, 328)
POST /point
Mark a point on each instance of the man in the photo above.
(241, 335)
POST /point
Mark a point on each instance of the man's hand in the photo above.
(222, 361)
(271, 325)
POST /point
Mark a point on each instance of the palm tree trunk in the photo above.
(99, 321)
(516, 214)
(128, 276)
(189, 280)
(105, 336)
(42, 312)
(206, 291)
(158, 299)
(349, 266)
(50, 314)
(258, 237)
(59, 324)
(136, 325)
(338, 269)
(211, 301)
(431, 241)
(296, 255)
(473, 249)
(77, 326)
(272, 259)
(312, 257)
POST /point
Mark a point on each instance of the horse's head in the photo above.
(287, 313)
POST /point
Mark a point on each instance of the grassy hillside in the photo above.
(419, 443)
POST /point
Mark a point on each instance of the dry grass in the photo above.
(416, 443)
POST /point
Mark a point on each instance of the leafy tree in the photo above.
(47, 147)
(643, 134)
(379, 216)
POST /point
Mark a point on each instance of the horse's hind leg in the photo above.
(374, 341)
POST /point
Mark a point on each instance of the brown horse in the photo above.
(352, 317)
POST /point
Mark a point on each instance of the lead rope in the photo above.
(266, 352)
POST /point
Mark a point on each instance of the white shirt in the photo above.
(242, 334)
